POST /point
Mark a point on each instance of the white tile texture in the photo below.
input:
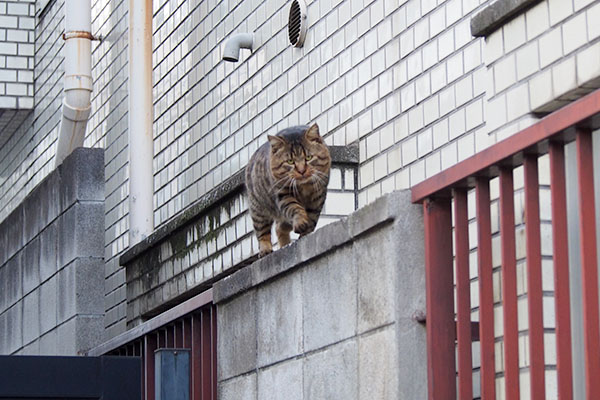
(404, 78)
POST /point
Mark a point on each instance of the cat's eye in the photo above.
(309, 157)
(290, 161)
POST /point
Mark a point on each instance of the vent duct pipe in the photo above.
(76, 104)
(141, 177)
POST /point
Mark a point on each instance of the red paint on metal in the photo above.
(178, 331)
(196, 357)
(564, 363)
(463, 296)
(582, 112)
(206, 356)
(213, 325)
(440, 299)
(187, 333)
(587, 240)
(486, 289)
(509, 284)
(150, 345)
(170, 334)
(534, 278)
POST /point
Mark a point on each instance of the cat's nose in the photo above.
(301, 169)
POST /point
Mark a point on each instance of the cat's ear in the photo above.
(276, 142)
(312, 134)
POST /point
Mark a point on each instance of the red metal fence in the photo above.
(191, 325)
(449, 325)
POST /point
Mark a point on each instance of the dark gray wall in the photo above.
(332, 315)
(51, 262)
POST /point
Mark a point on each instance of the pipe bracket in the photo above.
(79, 35)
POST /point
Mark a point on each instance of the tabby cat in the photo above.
(286, 182)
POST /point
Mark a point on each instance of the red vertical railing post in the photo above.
(206, 355)
(589, 262)
(441, 367)
(486, 289)
(509, 284)
(196, 357)
(213, 327)
(463, 295)
(150, 345)
(560, 251)
(534, 278)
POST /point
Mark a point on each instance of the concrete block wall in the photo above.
(403, 78)
(51, 263)
(212, 239)
(332, 315)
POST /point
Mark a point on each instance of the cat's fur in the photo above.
(286, 183)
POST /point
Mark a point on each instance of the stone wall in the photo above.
(51, 262)
(212, 239)
(331, 316)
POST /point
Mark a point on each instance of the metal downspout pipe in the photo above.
(76, 105)
(141, 177)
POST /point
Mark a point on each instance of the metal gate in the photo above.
(50, 377)
(191, 325)
(444, 197)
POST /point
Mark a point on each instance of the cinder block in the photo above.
(48, 306)
(242, 388)
(82, 176)
(31, 266)
(31, 317)
(14, 328)
(3, 333)
(67, 293)
(48, 252)
(283, 381)
(67, 338)
(3, 283)
(33, 222)
(49, 343)
(329, 299)
(236, 347)
(13, 275)
(380, 368)
(88, 332)
(13, 225)
(81, 232)
(279, 316)
(376, 279)
(31, 349)
(321, 383)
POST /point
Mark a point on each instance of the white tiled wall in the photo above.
(541, 61)
(403, 78)
(16, 53)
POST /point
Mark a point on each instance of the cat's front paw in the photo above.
(264, 252)
(303, 225)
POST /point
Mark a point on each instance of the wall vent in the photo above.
(297, 23)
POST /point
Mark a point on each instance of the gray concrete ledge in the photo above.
(317, 244)
(229, 187)
(497, 14)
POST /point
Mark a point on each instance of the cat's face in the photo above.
(301, 158)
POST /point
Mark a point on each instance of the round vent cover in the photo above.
(297, 23)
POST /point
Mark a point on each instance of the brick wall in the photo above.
(403, 78)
